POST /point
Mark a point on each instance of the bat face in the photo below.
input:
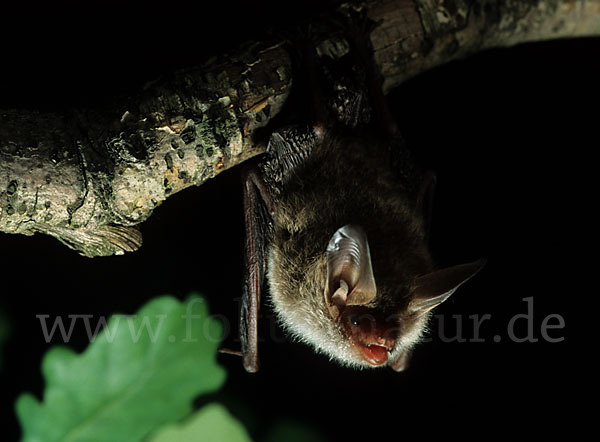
(349, 271)
(377, 333)
(334, 304)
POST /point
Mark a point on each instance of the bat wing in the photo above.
(257, 218)
(287, 149)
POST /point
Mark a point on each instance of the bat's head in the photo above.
(360, 311)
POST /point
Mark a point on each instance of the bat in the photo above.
(336, 222)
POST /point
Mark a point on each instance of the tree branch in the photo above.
(88, 177)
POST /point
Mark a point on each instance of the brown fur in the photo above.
(346, 180)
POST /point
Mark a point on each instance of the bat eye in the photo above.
(355, 320)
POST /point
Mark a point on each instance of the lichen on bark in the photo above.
(89, 177)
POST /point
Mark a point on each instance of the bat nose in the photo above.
(386, 341)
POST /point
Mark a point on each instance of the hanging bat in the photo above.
(336, 218)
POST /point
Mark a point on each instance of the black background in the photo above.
(511, 134)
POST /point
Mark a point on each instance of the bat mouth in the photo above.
(373, 335)
(374, 354)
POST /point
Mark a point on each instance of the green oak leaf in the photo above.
(213, 422)
(138, 374)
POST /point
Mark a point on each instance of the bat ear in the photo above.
(350, 279)
(434, 288)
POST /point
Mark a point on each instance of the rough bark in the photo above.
(88, 177)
